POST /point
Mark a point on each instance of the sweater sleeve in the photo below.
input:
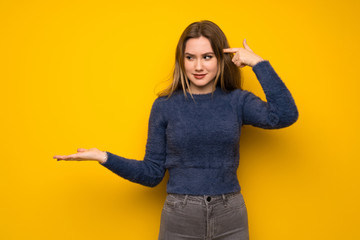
(151, 170)
(279, 111)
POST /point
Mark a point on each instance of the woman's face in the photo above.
(200, 65)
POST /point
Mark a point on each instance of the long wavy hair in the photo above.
(228, 74)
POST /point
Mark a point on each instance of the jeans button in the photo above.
(208, 199)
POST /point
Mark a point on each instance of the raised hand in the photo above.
(244, 56)
(92, 154)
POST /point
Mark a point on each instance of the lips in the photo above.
(199, 76)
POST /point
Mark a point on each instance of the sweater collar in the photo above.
(205, 96)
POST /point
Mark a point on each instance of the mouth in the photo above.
(199, 76)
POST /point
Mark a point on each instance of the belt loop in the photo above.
(224, 200)
(185, 199)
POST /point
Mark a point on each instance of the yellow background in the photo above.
(85, 73)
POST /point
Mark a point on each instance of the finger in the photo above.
(81, 150)
(236, 59)
(230, 50)
(66, 157)
(58, 157)
(74, 156)
(246, 46)
(236, 62)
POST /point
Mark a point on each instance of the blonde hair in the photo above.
(228, 72)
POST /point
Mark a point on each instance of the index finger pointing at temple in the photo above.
(231, 50)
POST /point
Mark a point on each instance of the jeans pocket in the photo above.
(173, 202)
(237, 201)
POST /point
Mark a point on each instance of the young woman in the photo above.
(194, 131)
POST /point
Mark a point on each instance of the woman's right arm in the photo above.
(148, 172)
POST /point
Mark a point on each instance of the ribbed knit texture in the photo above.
(198, 141)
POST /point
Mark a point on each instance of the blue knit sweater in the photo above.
(198, 141)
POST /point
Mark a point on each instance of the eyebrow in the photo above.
(207, 53)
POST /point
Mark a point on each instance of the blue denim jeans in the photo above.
(220, 217)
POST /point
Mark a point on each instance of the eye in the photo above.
(188, 57)
(208, 57)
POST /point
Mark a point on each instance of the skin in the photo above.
(244, 56)
(198, 63)
(200, 60)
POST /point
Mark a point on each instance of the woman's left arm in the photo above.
(280, 110)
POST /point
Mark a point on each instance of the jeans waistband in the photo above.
(206, 199)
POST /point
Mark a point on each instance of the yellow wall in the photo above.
(84, 74)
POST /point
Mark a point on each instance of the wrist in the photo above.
(103, 157)
(256, 61)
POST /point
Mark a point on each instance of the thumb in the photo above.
(246, 46)
(81, 150)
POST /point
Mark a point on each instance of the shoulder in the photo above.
(158, 104)
(165, 101)
(239, 98)
(160, 100)
(162, 105)
(238, 95)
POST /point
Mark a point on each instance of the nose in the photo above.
(198, 65)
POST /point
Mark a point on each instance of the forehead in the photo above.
(198, 45)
